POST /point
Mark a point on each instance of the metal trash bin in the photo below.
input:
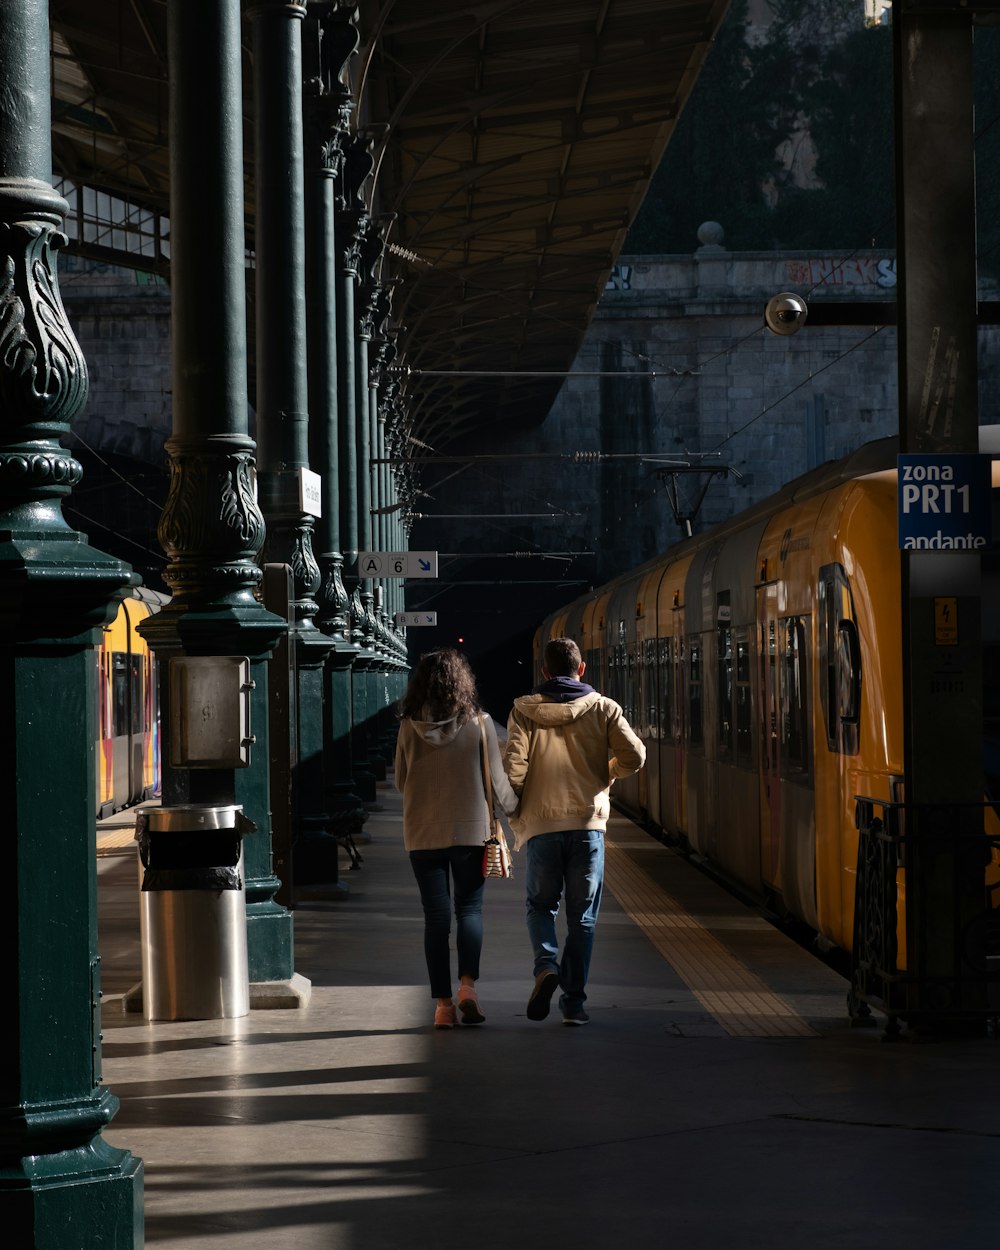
(193, 912)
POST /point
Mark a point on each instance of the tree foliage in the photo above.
(820, 74)
(723, 164)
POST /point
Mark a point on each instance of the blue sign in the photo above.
(944, 502)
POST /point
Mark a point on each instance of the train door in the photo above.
(135, 728)
(120, 750)
(105, 754)
(678, 719)
(787, 799)
(768, 737)
(649, 727)
(701, 700)
(621, 631)
(672, 658)
(646, 651)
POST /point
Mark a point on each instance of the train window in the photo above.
(151, 701)
(119, 694)
(137, 699)
(839, 661)
(794, 682)
(744, 714)
(103, 685)
(694, 692)
(725, 662)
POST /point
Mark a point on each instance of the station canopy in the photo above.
(512, 140)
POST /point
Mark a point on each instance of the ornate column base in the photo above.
(55, 1198)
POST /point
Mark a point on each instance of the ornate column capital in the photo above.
(43, 374)
(43, 386)
(211, 527)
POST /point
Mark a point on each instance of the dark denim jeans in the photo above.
(435, 871)
(572, 861)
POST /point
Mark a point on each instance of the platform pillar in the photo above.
(211, 527)
(61, 1183)
(938, 389)
(352, 224)
(331, 39)
(282, 403)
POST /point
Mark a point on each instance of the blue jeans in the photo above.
(573, 862)
(434, 871)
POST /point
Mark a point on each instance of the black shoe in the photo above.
(545, 987)
(575, 1015)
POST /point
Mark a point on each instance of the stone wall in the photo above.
(121, 318)
(678, 369)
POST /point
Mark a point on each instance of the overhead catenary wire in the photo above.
(493, 516)
(667, 371)
(681, 463)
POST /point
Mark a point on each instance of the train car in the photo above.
(760, 663)
(128, 748)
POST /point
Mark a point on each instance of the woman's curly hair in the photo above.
(440, 687)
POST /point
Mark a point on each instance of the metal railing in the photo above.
(928, 881)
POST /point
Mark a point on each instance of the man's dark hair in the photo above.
(562, 657)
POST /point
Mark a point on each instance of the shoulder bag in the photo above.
(496, 854)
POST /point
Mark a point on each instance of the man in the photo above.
(566, 745)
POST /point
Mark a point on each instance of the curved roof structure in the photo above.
(512, 142)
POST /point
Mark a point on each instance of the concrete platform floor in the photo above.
(718, 1098)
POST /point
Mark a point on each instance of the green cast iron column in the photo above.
(282, 401)
(352, 223)
(370, 636)
(211, 527)
(387, 407)
(61, 1184)
(387, 353)
(393, 407)
(395, 447)
(380, 306)
(331, 41)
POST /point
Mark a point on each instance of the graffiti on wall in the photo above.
(620, 279)
(843, 271)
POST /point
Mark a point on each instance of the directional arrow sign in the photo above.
(397, 564)
(422, 564)
(411, 619)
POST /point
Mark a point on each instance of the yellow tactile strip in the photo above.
(738, 999)
(115, 841)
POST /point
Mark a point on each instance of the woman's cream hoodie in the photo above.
(439, 773)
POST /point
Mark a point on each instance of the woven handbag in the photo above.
(496, 853)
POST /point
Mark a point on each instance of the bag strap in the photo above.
(487, 782)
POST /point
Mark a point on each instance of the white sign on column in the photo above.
(413, 619)
(382, 564)
(398, 564)
(422, 564)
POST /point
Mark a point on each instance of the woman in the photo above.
(445, 821)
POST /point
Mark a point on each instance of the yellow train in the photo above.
(128, 745)
(760, 663)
